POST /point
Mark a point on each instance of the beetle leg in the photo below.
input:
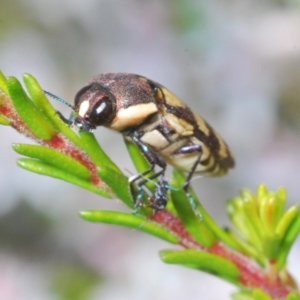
(160, 199)
(139, 198)
(186, 150)
(154, 160)
(69, 121)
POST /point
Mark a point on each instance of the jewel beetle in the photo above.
(163, 128)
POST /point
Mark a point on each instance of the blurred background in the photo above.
(234, 62)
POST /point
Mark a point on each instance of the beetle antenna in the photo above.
(58, 99)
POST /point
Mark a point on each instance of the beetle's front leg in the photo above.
(69, 121)
(153, 160)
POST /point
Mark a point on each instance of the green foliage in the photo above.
(203, 261)
(54, 158)
(129, 220)
(265, 229)
(62, 153)
(257, 294)
(38, 124)
(186, 211)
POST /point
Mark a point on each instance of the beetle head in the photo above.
(95, 106)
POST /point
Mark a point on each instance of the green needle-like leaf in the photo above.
(293, 296)
(238, 216)
(39, 167)
(219, 232)
(206, 219)
(271, 246)
(261, 192)
(250, 208)
(41, 101)
(202, 261)
(247, 248)
(28, 112)
(140, 162)
(242, 296)
(90, 145)
(129, 220)
(285, 222)
(288, 240)
(118, 183)
(3, 120)
(279, 205)
(54, 158)
(267, 214)
(3, 84)
(254, 294)
(188, 215)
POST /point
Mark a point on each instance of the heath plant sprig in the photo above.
(252, 255)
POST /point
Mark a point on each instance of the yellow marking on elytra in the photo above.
(159, 95)
(132, 115)
(223, 151)
(83, 108)
(201, 124)
(172, 99)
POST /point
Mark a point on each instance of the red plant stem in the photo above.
(251, 275)
(58, 142)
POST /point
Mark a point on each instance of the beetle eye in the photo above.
(101, 112)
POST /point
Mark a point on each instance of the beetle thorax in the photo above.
(132, 116)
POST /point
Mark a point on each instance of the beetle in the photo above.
(164, 129)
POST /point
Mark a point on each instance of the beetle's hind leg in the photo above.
(189, 150)
(160, 198)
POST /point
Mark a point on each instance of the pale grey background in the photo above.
(234, 62)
